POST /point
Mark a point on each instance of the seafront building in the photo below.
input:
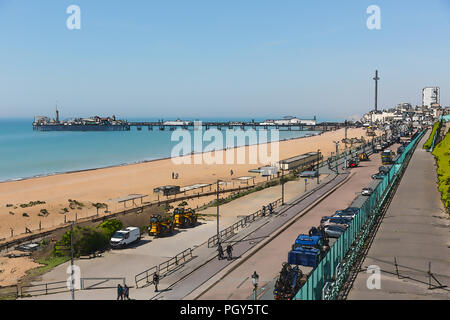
(426, 114)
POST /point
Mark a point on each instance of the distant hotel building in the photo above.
(430, 96)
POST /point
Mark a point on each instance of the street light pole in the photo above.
(71, 262)
(318, 163)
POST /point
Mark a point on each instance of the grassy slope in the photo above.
(442, 154)
(427, 144)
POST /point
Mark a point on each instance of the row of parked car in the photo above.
(309, 249)
(336, 224)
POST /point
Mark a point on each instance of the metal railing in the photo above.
(9, 292)
(163, 268)
(10, 244)
(44, 288)
(174, 262)
(146, 276)
(231, 230)
(62, 286)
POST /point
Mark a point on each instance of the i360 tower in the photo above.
(376, 78)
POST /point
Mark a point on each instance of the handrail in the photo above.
(8, 291)
(148, 273)
(230, 231)
(180, 258)
(46, 288)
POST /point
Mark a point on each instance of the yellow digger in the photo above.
(160, 226)
(184, 217)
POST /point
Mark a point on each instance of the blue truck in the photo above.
(308, 250)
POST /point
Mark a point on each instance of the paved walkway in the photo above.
(415, 230)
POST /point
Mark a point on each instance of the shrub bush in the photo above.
(87, 240)
(110, 226)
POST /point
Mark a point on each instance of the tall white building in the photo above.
(430, 95)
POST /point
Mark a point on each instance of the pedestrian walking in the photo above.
(270, 208)
(119, 292)
(156, 281)
(229, 252)
(173, 175)
(176, 176)
(263, 210)
(126, 293)
(231, 172)
(220, 250)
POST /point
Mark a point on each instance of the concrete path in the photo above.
(415, 230)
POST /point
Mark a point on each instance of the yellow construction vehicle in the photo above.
(363, 157)
(184, 217)
(160, 226)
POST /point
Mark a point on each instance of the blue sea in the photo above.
(25, 153)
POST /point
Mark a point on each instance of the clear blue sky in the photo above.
(237, 58)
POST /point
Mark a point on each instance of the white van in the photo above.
(122, 238)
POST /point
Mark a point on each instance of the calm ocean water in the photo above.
(26, 153)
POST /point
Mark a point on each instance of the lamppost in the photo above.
(337, 155)
(282, 187)
(255, 278)
(218, 237)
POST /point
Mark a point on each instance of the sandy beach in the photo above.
(105, 185)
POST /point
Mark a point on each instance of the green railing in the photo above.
(326, 280)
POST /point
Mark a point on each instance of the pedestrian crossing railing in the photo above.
(227, 233)
(327, 279)
(145, 277)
